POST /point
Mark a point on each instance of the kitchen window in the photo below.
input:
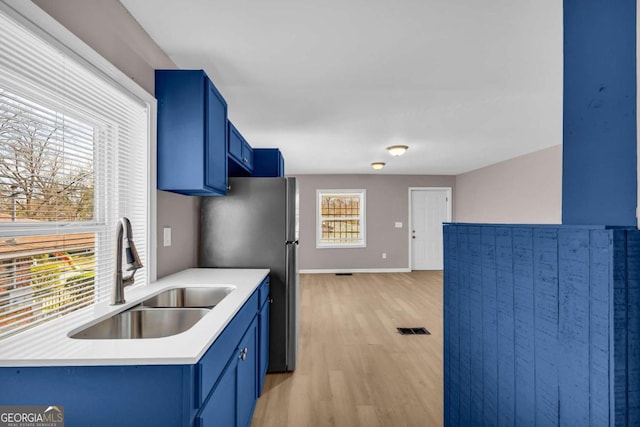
(341, 219)
(74, 150)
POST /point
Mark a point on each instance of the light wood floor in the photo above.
(354, 368)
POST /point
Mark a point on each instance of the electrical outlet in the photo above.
(167, 236)
(384, 255)
(398, 225)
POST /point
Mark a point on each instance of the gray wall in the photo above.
(110, 30)
(387, 202)
(523, 190)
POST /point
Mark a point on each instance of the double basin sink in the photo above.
(169, 313)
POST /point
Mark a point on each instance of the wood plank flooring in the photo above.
(354, 368)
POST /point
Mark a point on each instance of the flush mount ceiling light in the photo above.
(377, 165)
(397, 150)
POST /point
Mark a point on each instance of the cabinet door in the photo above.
(192, 134)
(240, 153)
(235, 143)
(220, 408)
(247, 155)
(247, 375)
(263, 343)
(216, 135)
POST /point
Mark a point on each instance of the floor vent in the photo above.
(413, 331)
(344, 274)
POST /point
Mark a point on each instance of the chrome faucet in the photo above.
(133, 261)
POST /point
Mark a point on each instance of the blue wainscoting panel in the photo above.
(545, 296)
(523, 319)
(465, 326)
(573, 325)
(489, 325)
(542, 326)
(506, 328)
(600, 298)
(476, 339)
(633, 329)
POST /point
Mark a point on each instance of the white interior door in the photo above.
(429, 209)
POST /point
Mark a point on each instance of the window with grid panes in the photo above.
(341, 219)
(73, 160)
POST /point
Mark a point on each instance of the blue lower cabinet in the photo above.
(105, 396)
(220, 390)
(263, 355)
(233, 398)
(247, 375)
(220, 408)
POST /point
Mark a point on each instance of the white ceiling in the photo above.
(464, 83)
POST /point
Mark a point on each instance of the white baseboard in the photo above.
(355, 270)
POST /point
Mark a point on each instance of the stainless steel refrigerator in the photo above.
(255, 226)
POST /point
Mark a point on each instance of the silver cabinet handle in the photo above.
(243, 353)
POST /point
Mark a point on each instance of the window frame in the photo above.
(52, 32)
(362, 194)
(45, 26)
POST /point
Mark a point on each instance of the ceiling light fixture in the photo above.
(377, 165)
(397, 150)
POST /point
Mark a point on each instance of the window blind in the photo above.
(73, 160)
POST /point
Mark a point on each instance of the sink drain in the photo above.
(413, 331)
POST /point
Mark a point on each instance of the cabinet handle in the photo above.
(244, 159)
(270, 300)
(243, 353)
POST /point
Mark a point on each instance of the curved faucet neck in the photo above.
(124, 232)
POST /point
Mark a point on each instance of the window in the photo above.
(341, 219)
(73, 160)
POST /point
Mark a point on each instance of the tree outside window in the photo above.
(341, 218)
(46, 177)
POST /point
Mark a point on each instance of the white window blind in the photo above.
(73, 160)
(341, 218)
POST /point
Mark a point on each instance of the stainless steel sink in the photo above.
(189, 297)
(143, 322)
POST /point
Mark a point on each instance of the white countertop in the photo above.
(49, 344)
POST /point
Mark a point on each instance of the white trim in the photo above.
(152, 194)
(354, 270)
(45, 26)
(362, 217)
(449, 214)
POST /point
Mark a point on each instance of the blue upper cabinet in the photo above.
(192, 134)
(240, 153)
(267, 162)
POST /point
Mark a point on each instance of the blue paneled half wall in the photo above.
(542, 325)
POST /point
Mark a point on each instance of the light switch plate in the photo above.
(398, 225)
(167, 236)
